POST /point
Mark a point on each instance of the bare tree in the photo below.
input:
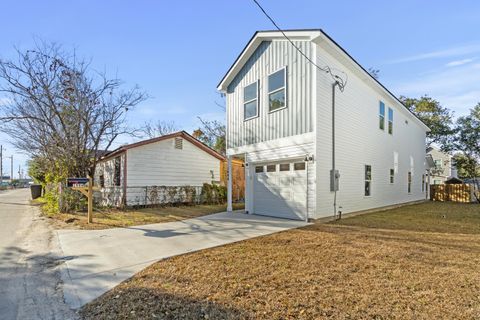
(374, 72)
(60, 110)
(157, 129)
(212, 133)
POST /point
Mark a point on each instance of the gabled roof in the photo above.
(315, 35)
(180, 134)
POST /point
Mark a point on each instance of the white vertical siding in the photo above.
(296, 119)
(160, 164)
(360, 142)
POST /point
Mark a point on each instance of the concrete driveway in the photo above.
(99, 260)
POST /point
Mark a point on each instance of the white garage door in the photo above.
(280, 190)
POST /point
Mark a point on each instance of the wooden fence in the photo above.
(451, 192)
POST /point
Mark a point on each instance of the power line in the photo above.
(341, 82)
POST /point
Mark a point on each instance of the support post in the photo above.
(229, 184)
(90, 199)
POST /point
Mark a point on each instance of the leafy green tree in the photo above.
(435, 116)
(467, 166)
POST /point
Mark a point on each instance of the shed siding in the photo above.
(161, 164)
(296, 119)
(360, 142)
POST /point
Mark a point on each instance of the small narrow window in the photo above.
(423, 182)
(276, 90)
(299, 166)
(117, 173)
(381, 115)
(179, 143)
(409, 183)
(392, 175)
(259, 169)
(390, 120)
(250, 101)
(285, 167)
(102, 181)
(368, 180)
(271, 168)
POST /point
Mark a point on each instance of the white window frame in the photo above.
(389, 121)
(380, 115)
(276, 90)
(365, 179)
(251, 100)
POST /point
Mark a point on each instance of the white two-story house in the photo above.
(302, 159)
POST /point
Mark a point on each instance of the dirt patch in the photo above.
(322, 271)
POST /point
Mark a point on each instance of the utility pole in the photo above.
(11, 168)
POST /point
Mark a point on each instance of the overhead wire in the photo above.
(327, 69)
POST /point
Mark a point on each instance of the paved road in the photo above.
(30, 286)
(101, 259)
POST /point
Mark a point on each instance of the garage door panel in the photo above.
(280, 193)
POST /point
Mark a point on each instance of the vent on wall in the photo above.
(179, 143)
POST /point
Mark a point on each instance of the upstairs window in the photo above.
(390, 120)
(368, 180)
(250, 101)
(117, 173)
(381, 115)
(276, 90)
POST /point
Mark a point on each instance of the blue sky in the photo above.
(177, 51)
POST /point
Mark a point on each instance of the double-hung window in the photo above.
(381, 115)
(390, 120)
(250, 101)
(368, 180)
(392, 175)
(277, 84)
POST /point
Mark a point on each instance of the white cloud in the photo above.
(456, 88)
(445, 53)
(457, 63)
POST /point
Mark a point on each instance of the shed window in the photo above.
(259, 169)
(390, 120)
(368, 180)
(392, 175)
(250, 101)
(299, 166)
(179, 143)
(381, 115)
(117, 173)
(409, 182)
(271, 168)
(285, 167)
(276, 90)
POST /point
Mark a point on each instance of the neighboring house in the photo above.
(279, 118)
(174, 160)
(442, 169)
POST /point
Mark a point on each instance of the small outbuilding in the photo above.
(155, 171)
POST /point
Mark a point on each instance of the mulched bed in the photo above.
(323, 271)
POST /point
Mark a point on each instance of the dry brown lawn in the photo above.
(113, 218)
(406, 263)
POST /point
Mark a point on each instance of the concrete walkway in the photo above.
(99, 260)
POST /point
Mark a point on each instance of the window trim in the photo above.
(270, 165)
(409, 182)
(284, 68)
(392, 176)
(380, 115)
(251, 100)
(365, 180)
(389, 121)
